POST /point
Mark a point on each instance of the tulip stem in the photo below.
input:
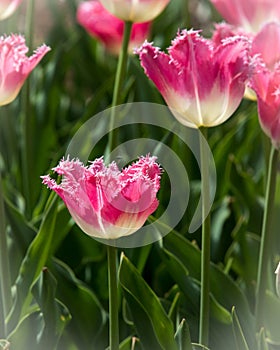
(27, 148)
(113, 298)
(266, 238)
(205, 243)
(112, 251)
(5, 282)
(120, 75)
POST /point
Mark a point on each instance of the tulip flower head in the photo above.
(135, 11)
(107, 28)
(8, 7)
(15, 65)
(277, 272)
(265, 80)
(251, 15)
(201, 82)
(104, 201)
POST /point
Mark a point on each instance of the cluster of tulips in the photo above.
(203, 81)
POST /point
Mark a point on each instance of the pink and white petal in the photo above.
(224, 30)
(72, 187)
(185, 109)
(232, 61)
(267, 44)
(145, 166)
(249, 14)
(192, 55)
(159, 68)
(33, 60)
(270, 121)
(135, 11)
(260, 82)
(136, 197)
(8, 7)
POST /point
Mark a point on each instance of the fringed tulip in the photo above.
(107, 28)
(135, 11)
(266, 79)
(15, 65)
(201, 82)
(251, 15)
(104, 201)
(8, 7)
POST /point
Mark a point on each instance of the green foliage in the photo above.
(59, 275)
(146, 309)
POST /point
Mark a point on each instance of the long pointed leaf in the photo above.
(35, 259)
(154, 327)
(55, 314)
(240, 340)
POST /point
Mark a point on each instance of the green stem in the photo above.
(120, 75)
(266, 237)
(29, 30)
(205, 245)
(112, 251)
(113, 298)
(27, 122)
(5, 281)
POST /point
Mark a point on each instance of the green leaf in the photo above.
(139, 256)
(189, 287)
(21, 233)
(25, 335)
(244, 253)
(88, 316)
(223, 289)
(35, 259)
(271, 317)
(183, 337)
(199, 347)
(153, 326)
(130, 343)
(239, 337)
(172, 313)
(56, 315)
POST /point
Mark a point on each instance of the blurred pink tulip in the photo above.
(8, 7)
(15, 65)
(107, 28)
(135, 11)
(251, 15)
(266, 79)
(104, 201)
(201, 82)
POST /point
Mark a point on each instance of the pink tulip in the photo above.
(135, 11)
(107, 28)
(8, 7)
(15, 65)
(251, 15)
(266, 79)
(201, 82)
(104, 201)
